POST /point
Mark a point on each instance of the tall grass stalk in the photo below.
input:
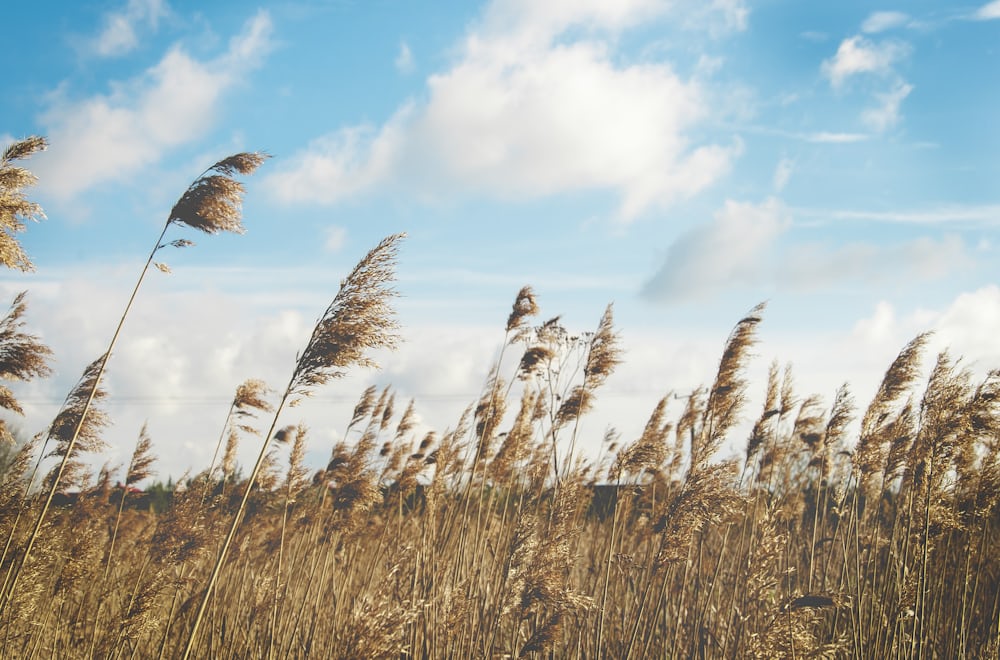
(211, 204)
(358, 320)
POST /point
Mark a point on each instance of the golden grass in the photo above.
(497, 538)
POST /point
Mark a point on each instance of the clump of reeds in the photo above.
(359, 319)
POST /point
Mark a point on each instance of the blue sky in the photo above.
(684, 160)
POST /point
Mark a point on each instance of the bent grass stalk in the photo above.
(212, 204)
(358, 320)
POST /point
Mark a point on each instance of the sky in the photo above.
(683, 160)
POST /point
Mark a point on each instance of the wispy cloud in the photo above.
(750, 245)
(335, 237)
(858, 55)
(826, 137)
(404, 59)
(112, 136)
(526, 112)
(121, 32)
(985, 214)
(886, 114)
(782, 174)
(813, 266)
(715, 255)
(880, 21)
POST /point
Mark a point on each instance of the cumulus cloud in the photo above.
(989, 11)
(120, 34)
(527, 113)
(966, 326)
(857, 55)
(111, 136)
(880, 21)
(340, 165)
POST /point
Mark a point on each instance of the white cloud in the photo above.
(340, 165)
(986, 215)
(813, 266)
(966, 327)
(119, 35)
(112, 136)
(538, 22)
(989, 11)
(880, 21)
(782, 173)
(815, 137)
(522, 114)
(740, 248)
(971, 324)
(335, 237)
(825, 137)
(857, 55)
(734, 12)
(886, 114)
(713, 256)
(404, 60)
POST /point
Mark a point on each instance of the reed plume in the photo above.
(525, 306)
(250, 397)
(22, 357)
(649, 451)
(871, 450)
(140, 467)
(15, 208)
(728, 392)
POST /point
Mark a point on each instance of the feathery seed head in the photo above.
(213, 202)
(524, 306)
(141, 465)
(22, 356)
(359, 319)
(15, 208)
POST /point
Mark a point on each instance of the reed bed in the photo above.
(840, 531)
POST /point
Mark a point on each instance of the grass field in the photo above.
(853, 529)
